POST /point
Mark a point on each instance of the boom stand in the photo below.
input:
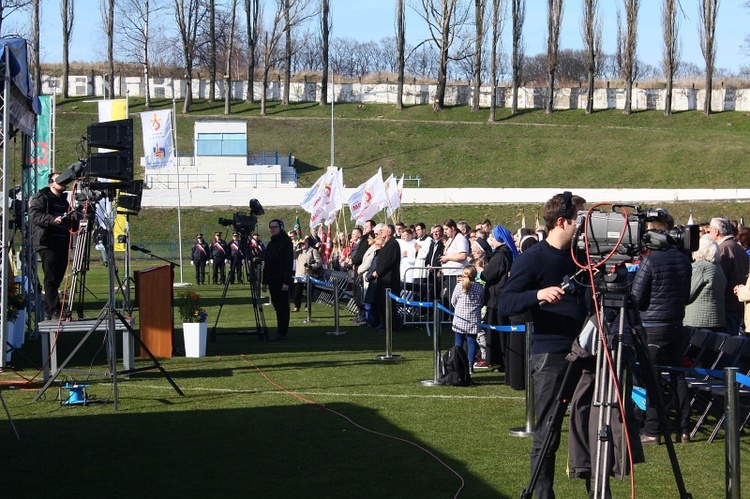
(606, 385)
(111, 314)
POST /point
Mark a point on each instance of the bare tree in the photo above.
(628, 48)
(211, 50)
(445, 20)
(252, 20)
(188, 16)
(35, 54)
(325, 32)
(295, 13)
(707, 15)
(228, 70)
(67, 9)
(8, 7)
(133, 35)
(592, 42)
(498, 6)
(107, 9)
(480, 6)
(554, 20)
(518, 14)
(400, 50)
(670, 27)
(288, 14)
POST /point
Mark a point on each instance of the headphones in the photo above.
(567, 210)
(278, 221)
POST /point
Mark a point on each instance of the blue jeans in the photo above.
(472, 340)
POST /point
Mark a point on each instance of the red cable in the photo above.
(356, 425)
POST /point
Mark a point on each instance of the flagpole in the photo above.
(176, 159)
(333, 99)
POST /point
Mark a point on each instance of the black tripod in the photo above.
(111, 315)
(253, 279)
(609, 350)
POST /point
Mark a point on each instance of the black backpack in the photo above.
(455, 367)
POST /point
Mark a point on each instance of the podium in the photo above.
(153, 297)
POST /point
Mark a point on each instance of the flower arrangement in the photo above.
(188, 306)
(16, 301)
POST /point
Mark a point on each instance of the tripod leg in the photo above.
(10, 419)
(218, 314)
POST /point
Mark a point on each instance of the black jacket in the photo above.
(44, 207)
(277, 260)
(495, 275)
(662, 286)
(388, 266)
(199, 256)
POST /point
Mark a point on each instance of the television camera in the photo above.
(242, 222)
(625, 235)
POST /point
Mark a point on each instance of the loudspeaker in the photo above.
(116, 165)
(116, 135)
(129, 200)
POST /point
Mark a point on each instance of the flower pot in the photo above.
(195, 334)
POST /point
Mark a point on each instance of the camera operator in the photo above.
(219, 251)
(535, 278)
(661, 288)
(48, 214)
(277, 274)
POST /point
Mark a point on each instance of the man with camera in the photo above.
(535, 285)
(51, 225)
(661, 288)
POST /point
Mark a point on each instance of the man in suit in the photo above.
(200, 256)
(219, 256)
(387, 272)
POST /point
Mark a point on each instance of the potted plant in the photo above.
(194, 326)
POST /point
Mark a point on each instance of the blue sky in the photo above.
(374, 19)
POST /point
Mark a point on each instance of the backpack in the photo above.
(454, 368)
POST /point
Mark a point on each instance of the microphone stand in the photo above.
(148, 252)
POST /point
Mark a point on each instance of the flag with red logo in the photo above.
(368, 199)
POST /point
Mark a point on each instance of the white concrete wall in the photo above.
(415, 196)
(683, 99)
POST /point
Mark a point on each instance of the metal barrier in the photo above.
(419, 289)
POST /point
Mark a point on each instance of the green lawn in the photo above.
(315, 416)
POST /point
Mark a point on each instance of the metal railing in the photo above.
(186, 180)
(258, 179)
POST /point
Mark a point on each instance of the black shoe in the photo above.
(683, 438)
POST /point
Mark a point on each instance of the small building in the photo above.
(221, 162)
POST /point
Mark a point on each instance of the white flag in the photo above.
(158, 148)
(368, 199)
(393, 194)
(324, 197)
(337, 196)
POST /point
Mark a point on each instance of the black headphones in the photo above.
(567, 210)
(278, 221)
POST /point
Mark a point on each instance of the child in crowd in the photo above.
(467, 301)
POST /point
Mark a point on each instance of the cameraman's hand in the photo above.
(552, 294)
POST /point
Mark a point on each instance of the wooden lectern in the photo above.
(153, 297)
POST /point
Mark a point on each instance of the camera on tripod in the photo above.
(609, 232)
(242, 222)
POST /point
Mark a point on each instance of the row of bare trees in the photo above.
(282, 36)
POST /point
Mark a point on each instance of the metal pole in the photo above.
(732, 433)
(388, 330)
(308, 299)
(336, 317)
(528, 430)
(333, 98)
(4, 277)
(435, 381)
(176, 160)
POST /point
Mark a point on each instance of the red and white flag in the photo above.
(368, 199)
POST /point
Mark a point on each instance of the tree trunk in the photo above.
(551, 90)
(251, 22)
(66, 13)
(263, 86)
(287, 54)
(35, 48)
(400, 49)
(211, 50)
(478, 41)
(326, 33)
(590, 94)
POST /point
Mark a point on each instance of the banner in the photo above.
(368, 199)
(158, 148)
(113, 110)
(393, 189)
(324, 198)
(40, 160)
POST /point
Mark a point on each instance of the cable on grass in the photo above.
(357, 425)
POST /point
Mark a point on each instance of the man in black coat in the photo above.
(219, 257)
(278, 274)
(199, 255)
(51, 226)
(388, 272)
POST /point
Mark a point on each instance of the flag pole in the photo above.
(333, 99)
(176, 159)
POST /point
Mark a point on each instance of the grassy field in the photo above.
(318, 416)
(315, 416)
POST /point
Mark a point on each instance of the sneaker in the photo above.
(481, 364)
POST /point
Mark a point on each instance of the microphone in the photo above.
(138, 248)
